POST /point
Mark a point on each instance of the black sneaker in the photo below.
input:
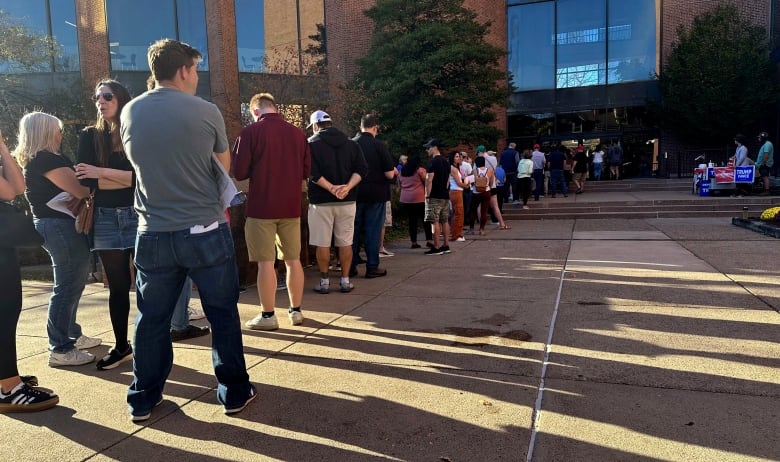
(191, 331)
(115, 358)
(237, 409)
(24, 398)
(445, 249)
(433, 251)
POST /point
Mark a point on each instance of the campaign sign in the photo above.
(724, 174)
(745, 174)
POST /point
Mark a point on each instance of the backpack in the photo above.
(481, 182)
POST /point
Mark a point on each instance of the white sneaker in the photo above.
(85, 343)
(261, 323)
(74, 357)
(460, 239)
(385, 253)
(516, 203)
(525, 207)
(195, 313)
(296, 317)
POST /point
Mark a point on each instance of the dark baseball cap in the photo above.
(431, 143)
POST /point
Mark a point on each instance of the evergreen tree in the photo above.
(430, 73)
(718, 80)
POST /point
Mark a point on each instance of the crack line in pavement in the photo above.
(535, 419)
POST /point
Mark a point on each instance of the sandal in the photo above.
(505, 227)
(481, 232)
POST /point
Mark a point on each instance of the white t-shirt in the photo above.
(598, 157)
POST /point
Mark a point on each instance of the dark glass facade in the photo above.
(581, 69)
(54, 19)
(131, 29)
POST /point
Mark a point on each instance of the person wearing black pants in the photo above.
(17, 394)
(412, 183)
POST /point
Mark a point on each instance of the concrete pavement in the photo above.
(563, 340)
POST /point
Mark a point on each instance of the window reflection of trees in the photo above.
(31, 42)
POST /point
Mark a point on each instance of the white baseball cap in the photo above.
(317, 117)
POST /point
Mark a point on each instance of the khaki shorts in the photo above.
(266, 238)
(437, 210)
(388, 214)
(334, 222)
(579, 176)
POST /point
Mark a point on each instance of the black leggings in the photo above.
(10, 308)
(116, 264)
(416, 212)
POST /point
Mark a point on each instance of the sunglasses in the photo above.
(106, 96)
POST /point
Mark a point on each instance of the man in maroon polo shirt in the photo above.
(274, 155)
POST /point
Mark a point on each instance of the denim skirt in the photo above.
(115, 228)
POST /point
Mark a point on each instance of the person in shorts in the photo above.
(437, 197)
(337, 166)
(274, 155)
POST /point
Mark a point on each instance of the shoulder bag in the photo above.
(17, 229)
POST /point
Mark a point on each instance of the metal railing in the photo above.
(681, 164)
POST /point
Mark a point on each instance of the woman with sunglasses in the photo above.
(48, 173)
(104, 168)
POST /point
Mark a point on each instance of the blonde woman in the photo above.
(47, 174)
(17, 393)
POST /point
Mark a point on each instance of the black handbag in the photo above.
(16, 228)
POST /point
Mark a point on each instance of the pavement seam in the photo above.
(536, 416)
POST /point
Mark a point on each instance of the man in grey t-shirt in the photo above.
(173, 140)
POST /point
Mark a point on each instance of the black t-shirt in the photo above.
(40, 189)
(582, 162)
(117, 160)
(556, 160)
(374, 187)
(440, 168)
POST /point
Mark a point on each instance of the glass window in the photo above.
(131, 29)
(581, 43)
(530, 42)
(631, 40)
(64, 31)
(250, 35)
(31, 14)
(191, 16)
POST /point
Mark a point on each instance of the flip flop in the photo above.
(505, 227)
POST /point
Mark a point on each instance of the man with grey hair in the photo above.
(174, 140)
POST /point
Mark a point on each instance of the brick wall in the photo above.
(682, 12)
(94, 58)
(223, 63)
(348, 32)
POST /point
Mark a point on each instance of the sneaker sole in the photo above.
(266, 328)
(56, 363)
(144, 417)
(108, 367)
(48, 404)
(296, 322)
(322, 291)
(236, 410)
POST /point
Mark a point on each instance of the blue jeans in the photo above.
(539, 179)
(181, 319)
(597, 170)
(163, 261)
(369, 218)
(556, 179)
(69, 252)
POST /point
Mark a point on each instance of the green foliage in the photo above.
(31, 86)
(429, 73)
(21, 49)
(319, 50)
(719, 78)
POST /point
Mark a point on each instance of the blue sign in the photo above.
(745, 174)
